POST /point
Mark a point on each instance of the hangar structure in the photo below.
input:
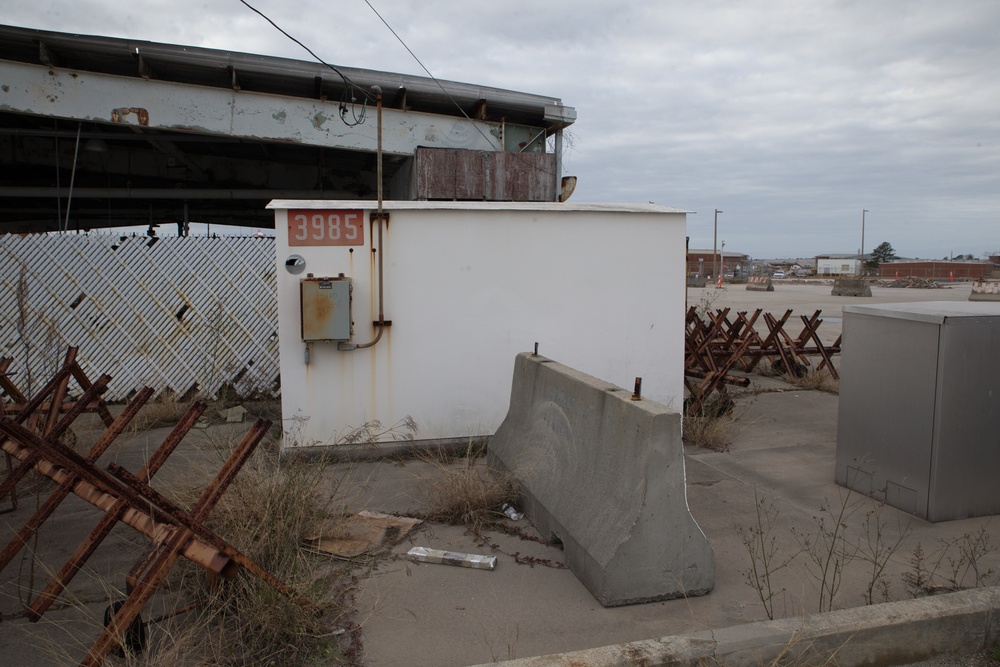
(100, 132)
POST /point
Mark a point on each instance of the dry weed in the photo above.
(806, 378)
(465, 492)
(713, 427)
(767, 369)
(817, 381)
(270, 507)
(166, 410)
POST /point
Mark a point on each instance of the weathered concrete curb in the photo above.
(894, 633)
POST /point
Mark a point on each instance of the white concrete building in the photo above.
(466, 286)
(838, 265)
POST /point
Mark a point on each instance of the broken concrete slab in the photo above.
(605, 475)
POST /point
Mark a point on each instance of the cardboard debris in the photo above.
(475, 561)
(360, 534)
(234, 415)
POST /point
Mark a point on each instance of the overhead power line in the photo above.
(348, 83)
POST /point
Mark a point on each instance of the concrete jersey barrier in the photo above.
(760, 284)
(985, 291)
(850, 287)
(696, 280)
(605, 475)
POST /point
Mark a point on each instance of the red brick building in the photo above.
(700, 261)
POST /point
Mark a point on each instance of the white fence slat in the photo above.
(118, 300)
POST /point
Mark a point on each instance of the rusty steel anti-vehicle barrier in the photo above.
(30, 437)
(717, 343)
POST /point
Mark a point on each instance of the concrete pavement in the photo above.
(781, 460)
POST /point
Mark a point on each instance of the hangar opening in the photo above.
(99, 132)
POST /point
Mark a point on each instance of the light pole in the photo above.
(715, 240)
(862, 257)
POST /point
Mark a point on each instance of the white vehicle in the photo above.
(778, 274)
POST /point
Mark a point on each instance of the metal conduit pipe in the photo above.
(379, 218)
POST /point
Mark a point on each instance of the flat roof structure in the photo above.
(122, 132)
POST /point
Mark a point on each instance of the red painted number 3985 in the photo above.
(319, 227)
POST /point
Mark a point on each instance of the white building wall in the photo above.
(838, 267)
(468, 286)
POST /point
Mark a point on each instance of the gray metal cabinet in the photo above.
(919, 416)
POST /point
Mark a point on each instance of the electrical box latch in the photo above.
(326, 308)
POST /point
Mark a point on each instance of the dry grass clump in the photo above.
(271, 506)
(465, 492)
(817, 381)
(713, 426)
(165, 410)
(807, 377)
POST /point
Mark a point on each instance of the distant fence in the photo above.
(936, 270)
(190, 315)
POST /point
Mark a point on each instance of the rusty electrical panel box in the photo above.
(326, 308)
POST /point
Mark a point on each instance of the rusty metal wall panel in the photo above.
(527, 176)
(188, 314)
(435, 171)
(457, 174)
(470, 175)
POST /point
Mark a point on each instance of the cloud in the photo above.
(789, 116)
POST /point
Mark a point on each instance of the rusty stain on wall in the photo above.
(118, 115)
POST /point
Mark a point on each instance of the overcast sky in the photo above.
(790, 116)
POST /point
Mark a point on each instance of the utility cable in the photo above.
(349, 84)
(489, 139)
(432, 77)
(346, 79)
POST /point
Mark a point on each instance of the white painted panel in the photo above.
(467, 287)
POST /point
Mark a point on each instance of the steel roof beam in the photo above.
(155, 104)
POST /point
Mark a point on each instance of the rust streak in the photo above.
(118, 115)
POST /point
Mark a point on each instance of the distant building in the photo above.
(701, 262)
(839, 265)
